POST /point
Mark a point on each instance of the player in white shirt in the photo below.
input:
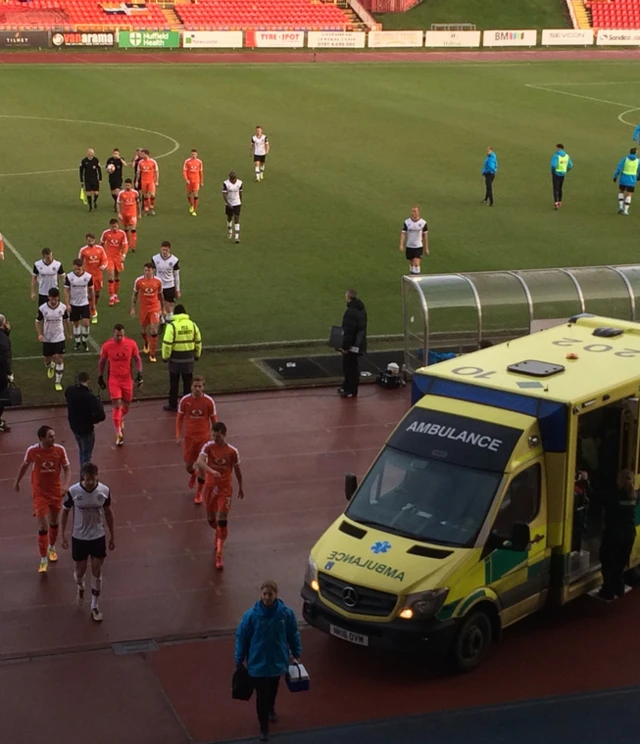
(259, 148)
(167, 268)
(53, 328)
(414, 231)
(232, 195)
(79, 297)
(91, 504)
(45, 276)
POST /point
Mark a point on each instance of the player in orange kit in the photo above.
(149, 288)
(193, 174)
(115, 243)
(198, 412)
(149, 179)
(128, 203)
(118, 352)
(48, 460)
(219, 461)
(95, 261)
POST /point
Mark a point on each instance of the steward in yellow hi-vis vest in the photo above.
(629, 172)
(561, 164)
(181, 347)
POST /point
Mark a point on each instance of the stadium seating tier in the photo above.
(615, 14)
(210, 14)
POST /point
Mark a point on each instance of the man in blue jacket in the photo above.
(636, 135)
(489, 170)
(561, 164)
(266, 637)
(629, 175)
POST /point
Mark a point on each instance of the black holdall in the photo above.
(12, 395)
(241, 684)
(336, 337)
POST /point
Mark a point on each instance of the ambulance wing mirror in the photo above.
(350, 485)
(520, 537)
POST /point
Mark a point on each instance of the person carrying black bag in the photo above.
(266, 637)
(6, 378)
(354, 343)
(84, 410)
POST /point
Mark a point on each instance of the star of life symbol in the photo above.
(382, 546)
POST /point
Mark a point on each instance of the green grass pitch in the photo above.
(353, 148)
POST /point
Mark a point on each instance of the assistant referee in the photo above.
(90, 178)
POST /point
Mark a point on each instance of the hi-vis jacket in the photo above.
(182, 341)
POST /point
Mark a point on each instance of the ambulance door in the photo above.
(520, 578)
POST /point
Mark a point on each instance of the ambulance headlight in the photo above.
(311, 575)
(424, 604)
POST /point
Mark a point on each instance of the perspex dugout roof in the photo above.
(459, 311)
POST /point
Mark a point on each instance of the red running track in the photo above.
(301, 57)
(160, 583)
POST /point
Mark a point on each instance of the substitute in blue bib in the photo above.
(561, 164)
(489, 170)
(628, 171)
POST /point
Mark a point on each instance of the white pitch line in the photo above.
(175, 143)
(19, 256)
(599, 82)
(578, 95)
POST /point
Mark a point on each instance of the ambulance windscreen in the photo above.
(424, 500)
(436, 479)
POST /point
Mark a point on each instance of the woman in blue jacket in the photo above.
(266, 638)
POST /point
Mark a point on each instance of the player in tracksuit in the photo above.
(629, 172)
(561, 164)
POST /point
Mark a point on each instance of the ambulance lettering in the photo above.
(382, 568)
(450, 432)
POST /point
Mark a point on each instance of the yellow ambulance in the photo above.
(476, 512)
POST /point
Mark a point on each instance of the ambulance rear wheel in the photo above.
(472, 642)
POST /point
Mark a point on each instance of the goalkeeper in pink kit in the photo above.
(118, 352)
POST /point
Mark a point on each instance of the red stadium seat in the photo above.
(261, 14)
(614, 13)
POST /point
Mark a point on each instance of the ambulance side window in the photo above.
(521, 502)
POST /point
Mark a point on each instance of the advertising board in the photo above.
(212, 39)
(453, 39)
(386, 39)
(24, 39)
(618, 37)
(276, 39)
(149, 39)
(84, 39)
(567, 37)
(336, 39)
(510, 37)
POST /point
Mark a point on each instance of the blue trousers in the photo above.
(86, 443)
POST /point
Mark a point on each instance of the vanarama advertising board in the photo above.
(84, 39)
(567, 37)
(336, 39)
(385, 39)
(509, 37)
(453, 38)
(149, 39)
(212, 39)
(618, 37)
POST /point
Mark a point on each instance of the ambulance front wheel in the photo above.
(472, 642)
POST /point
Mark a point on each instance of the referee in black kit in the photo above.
(114, 166)
(90, 178)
